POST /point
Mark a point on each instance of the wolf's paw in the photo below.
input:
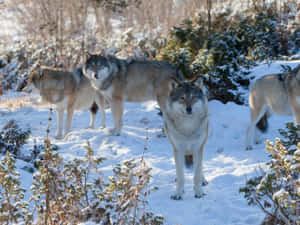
(198, 191)
(162, 134)
(199, 195)
(101, 127)
(58, 136)
(258, 142)
(176, 197)
(114, 132)
(204, 182)
(249, 147)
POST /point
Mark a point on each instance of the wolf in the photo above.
(129, 80)
(186, 122)
(68, 91)
(274, 93)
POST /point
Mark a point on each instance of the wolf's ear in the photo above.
(197, 81)
(114, 68)
(101, 52)
(86, 55)
(175, 82)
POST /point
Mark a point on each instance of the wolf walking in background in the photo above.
(275, 93)
(131, 81)
(186, 124)
(67, 91)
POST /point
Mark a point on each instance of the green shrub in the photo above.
(12, 138)
(223, 55)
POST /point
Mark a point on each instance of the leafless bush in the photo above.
(61, 20)
(54, 23)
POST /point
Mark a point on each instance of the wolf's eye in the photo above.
(182, 98)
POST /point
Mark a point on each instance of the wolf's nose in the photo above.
(189, 110)
(96, 75)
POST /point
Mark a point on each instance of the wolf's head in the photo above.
(187, 98)
(98, 68)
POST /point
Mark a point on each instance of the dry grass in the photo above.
(60, 20)
(19, 102)
(14, 103)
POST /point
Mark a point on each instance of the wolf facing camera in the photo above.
(186, 124)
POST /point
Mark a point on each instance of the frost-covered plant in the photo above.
(277, 190)
(13, 208)
(126, 195)
(223, 54)
(12, 138)
(60, 190)
(43, 186)
(75, 191)
(290, 136)
(70, 192)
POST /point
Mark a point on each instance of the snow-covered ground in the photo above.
(227, 164)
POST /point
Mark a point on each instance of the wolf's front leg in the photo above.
(117, 113)
(179, 162)
(70, 112)
(60, 121)
(101, 104)
(249, 135)
(199, 179)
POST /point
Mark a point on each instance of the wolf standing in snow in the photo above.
(275, 93)
(132, 81)
(186, 124)
(67, 91)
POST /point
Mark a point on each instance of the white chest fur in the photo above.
(186, 133)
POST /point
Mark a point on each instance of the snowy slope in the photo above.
(227, 164)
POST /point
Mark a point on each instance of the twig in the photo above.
(260, 205)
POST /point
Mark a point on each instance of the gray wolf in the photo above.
(68, 91)
(275, 93)
(131, 81)
(186, 125)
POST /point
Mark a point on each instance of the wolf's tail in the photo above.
(188, 161)
(262, 124)
(94, 108)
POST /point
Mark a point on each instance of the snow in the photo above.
(227, 165)
(279, 194)
(275, 67)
